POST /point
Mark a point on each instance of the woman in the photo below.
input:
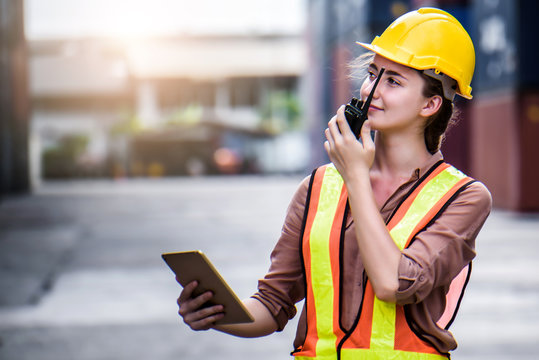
(380, 242)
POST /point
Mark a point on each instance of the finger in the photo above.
(342, 122)
(330, 141)
(334, 130)
(192, 305)
(206, 322)
(203, 318)
(203, 313)
(187, 291)
(366, 135)
(329, 151)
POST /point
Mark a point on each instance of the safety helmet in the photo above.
(433, 40)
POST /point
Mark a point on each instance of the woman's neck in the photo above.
(399, 155)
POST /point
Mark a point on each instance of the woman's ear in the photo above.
(432, 105)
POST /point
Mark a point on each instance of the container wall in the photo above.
(504, 147)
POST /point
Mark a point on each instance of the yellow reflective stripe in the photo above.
(431, 193)
(329, 356)
(321, 275)
(383, 325)
(384, 313)
(369, 354)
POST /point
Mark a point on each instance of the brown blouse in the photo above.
(426, 268)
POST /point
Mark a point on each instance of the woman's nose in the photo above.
(367, 89)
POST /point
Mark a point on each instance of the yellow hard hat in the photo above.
(429, 38)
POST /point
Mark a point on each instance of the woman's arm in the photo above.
(353, 160)
(263, 325)
(439, 253)
(378, 251)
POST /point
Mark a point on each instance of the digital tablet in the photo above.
(194, 265)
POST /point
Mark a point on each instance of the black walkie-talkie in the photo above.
(356, 111)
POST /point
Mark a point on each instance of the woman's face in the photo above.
(398, 100)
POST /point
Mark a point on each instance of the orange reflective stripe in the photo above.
(335, 256)
(406, 339)
(365, 321)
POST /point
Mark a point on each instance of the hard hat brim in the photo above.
(380, 51)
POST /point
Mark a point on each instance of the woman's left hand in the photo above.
(350, 156)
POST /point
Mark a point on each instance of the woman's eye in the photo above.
(393, 82)
(372, 75)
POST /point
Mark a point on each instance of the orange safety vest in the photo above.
(381, 330)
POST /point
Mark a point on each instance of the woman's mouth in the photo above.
(374, 108)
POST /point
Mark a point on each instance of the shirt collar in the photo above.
(419, 172)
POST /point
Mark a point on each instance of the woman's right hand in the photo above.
(190, 309)
(351, 157)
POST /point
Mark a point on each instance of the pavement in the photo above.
(81, 275)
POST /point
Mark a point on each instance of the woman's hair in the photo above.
(358, 66)
(437, 124)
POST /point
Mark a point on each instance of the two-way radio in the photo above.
(356, 111)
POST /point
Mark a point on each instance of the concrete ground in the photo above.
(81, 274)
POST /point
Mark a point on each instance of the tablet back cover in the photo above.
(194, 265)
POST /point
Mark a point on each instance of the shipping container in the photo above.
(505, 109)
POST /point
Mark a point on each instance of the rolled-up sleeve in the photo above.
(442, 250)
(283, 285)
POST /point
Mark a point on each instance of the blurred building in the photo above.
(228, 101)
(113, 97)
(170, 105)
(78, 90)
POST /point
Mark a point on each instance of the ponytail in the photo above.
(438, 123)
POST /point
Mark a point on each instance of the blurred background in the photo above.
(123, 122)
(124, 89)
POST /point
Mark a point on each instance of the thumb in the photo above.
(366, 133)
